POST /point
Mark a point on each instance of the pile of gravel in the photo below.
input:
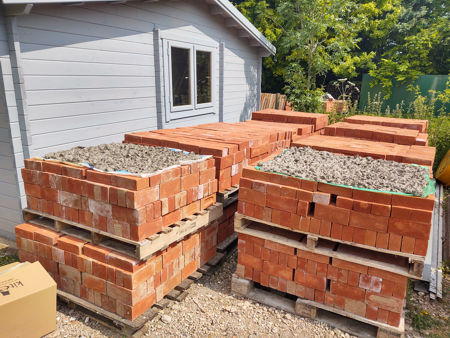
(355, 171)
(129, 157)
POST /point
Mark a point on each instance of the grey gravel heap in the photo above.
(355, 171)
(133, 158)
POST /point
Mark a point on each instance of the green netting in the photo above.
(430, 188)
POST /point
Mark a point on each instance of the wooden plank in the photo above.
(185, 228)
(109, 319)
(224, 246)
(240, 221)
(394, 264)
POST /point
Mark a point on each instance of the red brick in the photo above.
(332, 213)
(304, 224)
(344, 202)
(384, 302)
(382, 315)
(314, 225)
(252, 196)
(347, 291)
(409, 228)
(420, 247)
(408, 244)
(311, 267)
(334, 189)
(277, 270)
(381, 209)
(387, 275)
(282, 203)
(99, 177)
(52, 167)
(71, 244)
(45, 236)
(342, 276)
(250, 261)
(395, 242)
(382, 240)
(123, 262)
(75, 172)
(309, 185)
(349, 265)
(362, 206)
(336, 231)
(130, 182)
(332, 272)
(94, 283)
(367, 221)
(353, 278)
(413, 202)
(313, 256)
(394, 319)
(371, 312)
(325, 228)
(321, 198)
(371, 196)
(347, 233)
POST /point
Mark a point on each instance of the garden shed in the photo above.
(85, 73)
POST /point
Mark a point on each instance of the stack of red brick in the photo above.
(319, 121)
(376, 149)
(127, 206)
(110, 280)
(375, 132)
(233, 146)
(398, 223)
(365, 291)
(419, 125)
(226, 223)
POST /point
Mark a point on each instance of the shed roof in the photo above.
(232, 18)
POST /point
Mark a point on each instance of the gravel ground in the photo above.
(355, 171)
(124, 156)
(210, 310)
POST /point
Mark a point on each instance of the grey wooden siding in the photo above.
(11, 153)
(90, 70)
(89, 77)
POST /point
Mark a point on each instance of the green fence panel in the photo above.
(400, 91)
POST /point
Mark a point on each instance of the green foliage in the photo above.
(419, 43)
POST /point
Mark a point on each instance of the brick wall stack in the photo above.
(379, 150)
(233, 146)
(127, 206)
(226, 222)
(108, 279)
(358, 289)
(375, 132)
(419, 125)
(319, 121)
(393, 222)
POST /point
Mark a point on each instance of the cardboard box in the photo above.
(27, 300)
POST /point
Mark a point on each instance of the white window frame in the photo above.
(194, 109)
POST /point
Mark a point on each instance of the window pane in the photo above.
(203, 77)
(181, 84)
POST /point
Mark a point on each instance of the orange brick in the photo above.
(130, 182)
(71, 244)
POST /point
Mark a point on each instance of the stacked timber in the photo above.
(345, 249)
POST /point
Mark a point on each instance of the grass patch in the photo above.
(8, 259)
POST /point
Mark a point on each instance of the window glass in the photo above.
(181, 84)
(203, 76)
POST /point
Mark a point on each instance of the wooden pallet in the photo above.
(179, 293)
(414, 263)
(228, 243)
(107, 318)
(228, 196)
(349, 322)
(140, 250)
